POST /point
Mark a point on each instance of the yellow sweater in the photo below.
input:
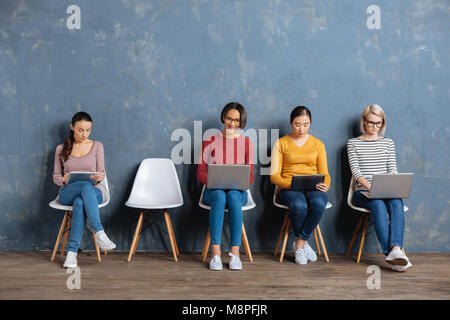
(288, 159)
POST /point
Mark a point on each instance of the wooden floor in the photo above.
(154, 275)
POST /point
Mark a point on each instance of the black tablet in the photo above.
(306, 182)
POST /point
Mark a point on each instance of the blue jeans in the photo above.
(219, 199)
(305, 210)
(84, 198)
(389, 234)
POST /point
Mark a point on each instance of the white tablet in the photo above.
(81, 176)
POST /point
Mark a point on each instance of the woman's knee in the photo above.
(298, 205)
(86, 186)
(319, 202)
(219, 195)
(78, 202)
(234, 196)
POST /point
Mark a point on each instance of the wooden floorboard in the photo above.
(154, 275)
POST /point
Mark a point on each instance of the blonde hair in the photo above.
(376, 110)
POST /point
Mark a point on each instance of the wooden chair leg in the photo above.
(286, 234)
(136, 233)
(322, 243)
(172, 242)
(363, 236)
(97, 249)
(206, 246)
(58, 239)
(66, 231)
(317, 242)
(138, 236)
(246, 244)
(281, 234)
(354, 235)
(173, 236)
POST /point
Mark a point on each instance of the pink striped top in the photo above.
(91, 162)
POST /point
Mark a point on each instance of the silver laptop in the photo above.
(389, 186)
(228, 176)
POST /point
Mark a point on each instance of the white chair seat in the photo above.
(250, 203)
(156, 186)
(282, 206)
(55, 204)
(350, 197)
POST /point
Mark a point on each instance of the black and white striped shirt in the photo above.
(367, 158)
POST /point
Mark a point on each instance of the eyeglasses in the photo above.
(373, 124)
(237, 121)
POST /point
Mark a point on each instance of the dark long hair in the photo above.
(300, 111)
(242, 113)
(68, 142)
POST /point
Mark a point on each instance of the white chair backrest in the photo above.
(156, 185)
(104, 183)
(350, 197)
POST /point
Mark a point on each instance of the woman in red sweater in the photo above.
(226, 147)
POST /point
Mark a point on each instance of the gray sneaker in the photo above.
(235, 262)
(310, 254)
(215, 263)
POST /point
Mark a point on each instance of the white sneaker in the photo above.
(215, 263)
(300, 256)
(397, 257)
(402, 268)
(310, 254)
(235, 262)
(71, 260)
(102, 240)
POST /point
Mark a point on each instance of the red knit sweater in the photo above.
(217, 149)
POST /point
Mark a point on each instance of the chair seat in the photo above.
(156, 206)
(55, 204)
(364, 210)
(282, 206)
(250, 203)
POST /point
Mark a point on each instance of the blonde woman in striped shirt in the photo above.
(369, 154)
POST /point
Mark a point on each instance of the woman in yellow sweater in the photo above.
(300, 153)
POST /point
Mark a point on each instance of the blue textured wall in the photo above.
(145, 68)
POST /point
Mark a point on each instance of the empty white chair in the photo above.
(250, 205)
(285, 230)
(364, 215)
(155, 186)
(67, 220)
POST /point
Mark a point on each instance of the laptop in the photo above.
(81, 176)
(389, 186)
(306, 182)
(228, 176)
